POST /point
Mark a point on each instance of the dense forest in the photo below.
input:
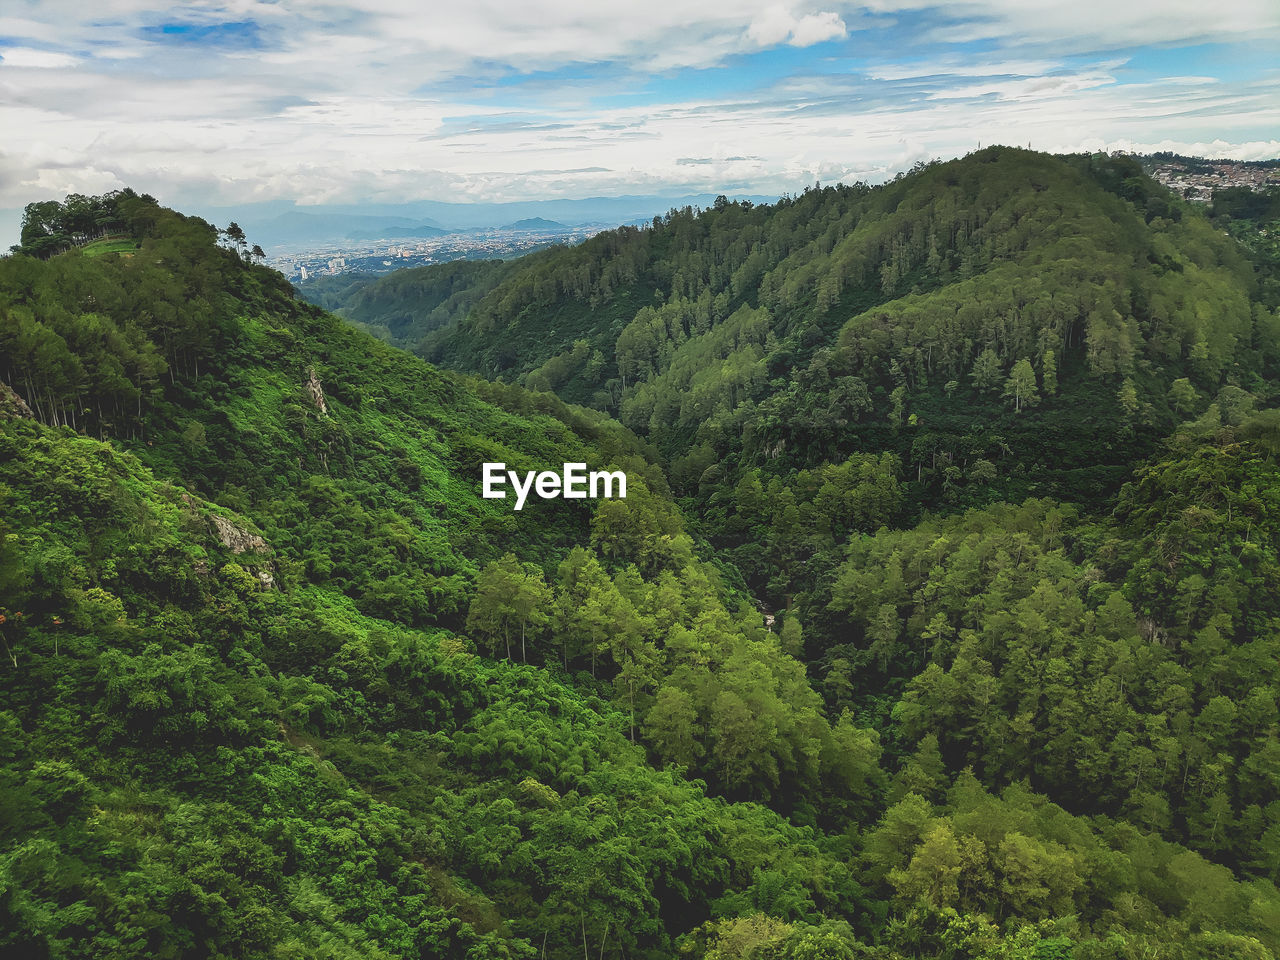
(941, 620)
(404, 306)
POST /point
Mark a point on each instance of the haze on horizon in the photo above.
(234, 102)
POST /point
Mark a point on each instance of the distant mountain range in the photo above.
(294, 227)
(282, 224)
(534, 223)
(424, 230)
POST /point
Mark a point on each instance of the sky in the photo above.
(232, 102)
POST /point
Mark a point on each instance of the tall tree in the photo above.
(509, 596)
(1020, 388)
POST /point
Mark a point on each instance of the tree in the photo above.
(1183, 396)
(589, 607)
(897, 406)
(986, 371)
(636, 656)
(532, 600)
(741, 741)
(1049, 373)
(851, 759)
(1127, 398)
(672, 727)
(43, 231)
(933, 875)
(1020, 388)
(509, 595)
(235, 234)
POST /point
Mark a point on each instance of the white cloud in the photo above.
(371, 99)
(27, 57)
(771, 27)
(816, 28)
(42, 31)
(1095, 24)
(778, 25)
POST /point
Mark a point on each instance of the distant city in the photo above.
(332, 257)
(1196, 179)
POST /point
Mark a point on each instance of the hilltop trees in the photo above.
(50, 227)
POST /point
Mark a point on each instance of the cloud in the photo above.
(42, 59)
(816, 28)
(1092, 25)
(778, 25)
(355, 100)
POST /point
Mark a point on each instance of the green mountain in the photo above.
(216, 600)
(1006, 325)
(820, 262)
(279, 682)
(404, 306)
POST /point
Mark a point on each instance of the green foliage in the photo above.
(1008, 325)
(49, 227)
(1020, 389)
(509, 597)
(406, 305)
(252, 764)
(245, 570)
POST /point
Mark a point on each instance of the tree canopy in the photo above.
(940, 619)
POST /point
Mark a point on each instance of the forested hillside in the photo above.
(1102, 259)
(1069, 309)
(277, 682)
(1252, 217)
(1006, 325)
(404, 306)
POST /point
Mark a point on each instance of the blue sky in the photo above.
(240, 101)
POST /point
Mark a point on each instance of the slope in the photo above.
(1005, 325)
(851, 319)
(346, 481)
(266, 689)
(404, 306)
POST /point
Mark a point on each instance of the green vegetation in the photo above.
(51, 227)
(404, 306)
(856, 320)
(1253, 218)
(1006, 325)
(99, 247)
(994, 445)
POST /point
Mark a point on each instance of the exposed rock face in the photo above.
(315, 391)
(12, 406)
(235, 539)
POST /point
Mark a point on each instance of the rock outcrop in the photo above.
(316, 392)
(12, 406)
(237, 539)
